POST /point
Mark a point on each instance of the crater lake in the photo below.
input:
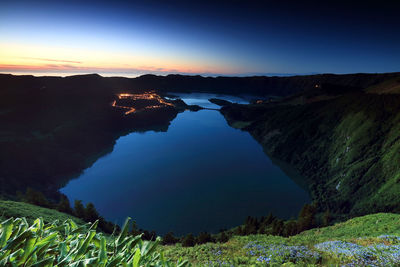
(199, 175)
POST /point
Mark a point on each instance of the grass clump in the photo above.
(67, 244)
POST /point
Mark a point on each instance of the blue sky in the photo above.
(205, 37)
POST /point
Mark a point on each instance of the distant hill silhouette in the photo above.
(256, 85)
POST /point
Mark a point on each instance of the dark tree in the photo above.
(269, 219)
(203, 238)
(107, 227)
(223, 237)
(188, 241)
(169, 239)
(135, 231)
(239, 230)
(79, 209)
(326, 218)
(20, 196)
(150, 236)
(91, 214)
(37, 198)
(290, 228)
(306, 217)
(64, 205)
(251, 226)
(277, 227)
(262, 229)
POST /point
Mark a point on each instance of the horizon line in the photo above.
(204, 75)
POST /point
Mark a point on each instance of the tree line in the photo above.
(87, 213)
(308, 218)
(272, 225)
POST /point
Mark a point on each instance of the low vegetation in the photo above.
(34, 204)
(31, 212)
(371, 240)
(67, 244)
(86, 213)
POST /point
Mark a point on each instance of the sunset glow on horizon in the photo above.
(207, 38)
(15, 58)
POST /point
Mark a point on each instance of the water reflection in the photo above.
(138, 102)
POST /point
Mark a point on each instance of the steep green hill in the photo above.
(346, 146)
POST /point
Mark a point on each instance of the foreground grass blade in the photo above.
(68, 244)
(136, 258)
(6, 231)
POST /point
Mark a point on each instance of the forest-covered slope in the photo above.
(346, 144)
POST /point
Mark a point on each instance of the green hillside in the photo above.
(346, 147)
(390, 86)
(31, 212)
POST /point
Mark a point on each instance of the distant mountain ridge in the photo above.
(256, 85)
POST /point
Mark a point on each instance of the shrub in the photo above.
(79, 209)
(203, 238)
(169, 239)
(64, 205)
(223, 237)
(36, 198)
(91, 214)
(188, 241)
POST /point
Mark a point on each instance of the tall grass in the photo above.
(67, 244)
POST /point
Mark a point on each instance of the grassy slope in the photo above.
(371, 226)
(368, 228)
(31, 212)
(361, 230)
(390, 86)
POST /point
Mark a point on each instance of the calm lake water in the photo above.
(200, 175)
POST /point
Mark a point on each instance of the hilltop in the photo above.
(252, 85)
